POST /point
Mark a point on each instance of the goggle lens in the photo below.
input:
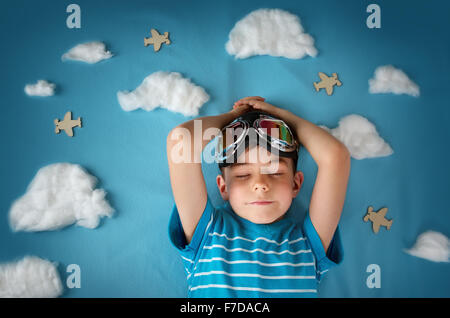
(277, 130)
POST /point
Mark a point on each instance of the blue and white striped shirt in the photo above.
(230, 256)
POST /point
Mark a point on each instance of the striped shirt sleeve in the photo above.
(324, 261)
(178, 239)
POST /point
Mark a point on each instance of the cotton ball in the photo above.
(31, 277)
(41, 88)
(272, 32)
(360, 137)
(90, 52)
(167, 90)
(431, 245)
(389, 79)
(59, 195)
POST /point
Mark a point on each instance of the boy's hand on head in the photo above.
(258, 103)
(238, 111)
(242, 100)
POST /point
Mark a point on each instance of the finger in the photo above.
(258, 98)
(239, 105)
(253, 102)
(248, 102)
(251, 97)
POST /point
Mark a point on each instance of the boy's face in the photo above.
(258, 190)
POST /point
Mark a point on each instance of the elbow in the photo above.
(169, 140)
(344, 153)
(339, 155)
(180, 148)
(344, 157)
(174, 135)
(170, 137)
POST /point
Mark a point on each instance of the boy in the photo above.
(250, 246)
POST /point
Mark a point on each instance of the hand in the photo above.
(258, 103)
(242, 100)
(238, 111)
(241, 107)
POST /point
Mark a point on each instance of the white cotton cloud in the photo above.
(360, 137)
(167, 90)
(431, 245)
(31, 277)
(41, 88)
(272, 32)
(90, 52)
(59, 195)
(389, 79)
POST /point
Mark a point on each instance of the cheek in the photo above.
(237, 190)
(235, 186)
(284, 187)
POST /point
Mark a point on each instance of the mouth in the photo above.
(260, 202)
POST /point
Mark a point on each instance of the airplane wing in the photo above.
(323, 76)
(156, 45)
(375, 227)
(329, 90)
(382, 212)
(67, 116)
(69, 131)
(154, 33)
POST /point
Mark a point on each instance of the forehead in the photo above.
(281, 161)
(258, 154)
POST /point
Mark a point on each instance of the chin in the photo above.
(259, 215)
(264, 219)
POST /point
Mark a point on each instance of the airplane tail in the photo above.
(315, 85)
(389, 225)
(147, 42)
(56, 121)
(79, 122)
(166, 35)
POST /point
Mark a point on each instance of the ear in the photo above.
(298, 181)
(222, 185)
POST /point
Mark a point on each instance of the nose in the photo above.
(260, 185)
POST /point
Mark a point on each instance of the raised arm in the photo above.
(184, 158)
(333, 161)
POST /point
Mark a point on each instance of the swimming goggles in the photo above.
(271, 131)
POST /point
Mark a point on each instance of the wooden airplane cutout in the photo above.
(327, 82)
(157, 39)
(378, 219)
(67, 124)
